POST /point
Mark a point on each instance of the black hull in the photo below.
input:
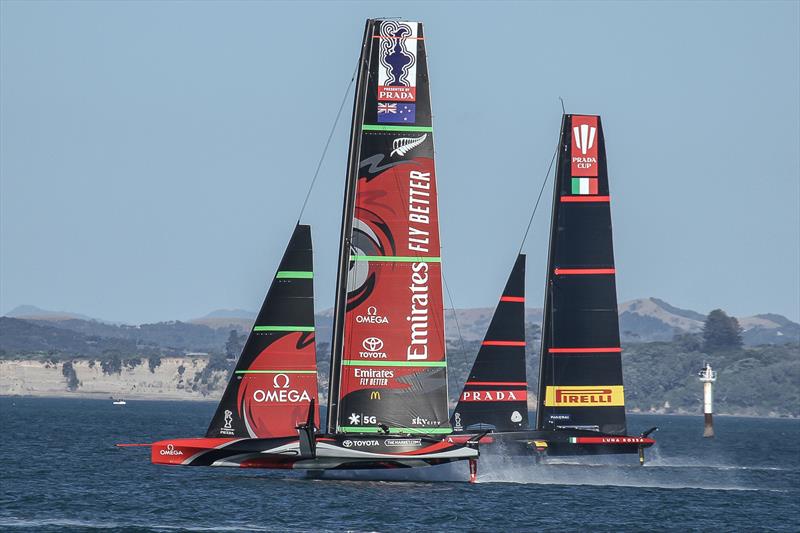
(558, 443)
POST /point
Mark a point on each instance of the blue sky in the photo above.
(154, 156)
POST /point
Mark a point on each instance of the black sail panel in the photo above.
(496, 390)
(275, 378)
(580, 375)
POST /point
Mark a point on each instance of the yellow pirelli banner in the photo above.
(596, 396)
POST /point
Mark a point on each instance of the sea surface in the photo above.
(59, 470)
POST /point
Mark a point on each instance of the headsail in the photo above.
(580, 376)
(276, 376)
(388, 366)
(495, 395)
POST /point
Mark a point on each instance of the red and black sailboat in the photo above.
(387, 403)
(581, 401)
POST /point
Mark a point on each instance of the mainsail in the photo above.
(388, 368)
(276, 375)
(495, 393)
(580, 376)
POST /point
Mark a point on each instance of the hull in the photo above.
(331, 452)
(558, 443)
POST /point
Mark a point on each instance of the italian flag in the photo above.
(584, 185)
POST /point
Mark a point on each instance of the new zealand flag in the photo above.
(397, 113)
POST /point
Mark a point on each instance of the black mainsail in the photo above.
(495, 395)
(580, 373)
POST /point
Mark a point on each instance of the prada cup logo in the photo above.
(228, 419)
(584, 137)
(372, 344)
(280, 381)
(170, 450)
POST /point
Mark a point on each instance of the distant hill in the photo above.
(641, 320)
(31, 312)
(42, 340)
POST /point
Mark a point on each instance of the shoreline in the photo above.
(171, 397)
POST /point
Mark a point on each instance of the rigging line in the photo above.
(327, 144)
(458, 327)
(562, 105)
(538, 198)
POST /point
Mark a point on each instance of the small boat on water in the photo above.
(118, 401)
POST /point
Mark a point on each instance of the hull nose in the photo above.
(168, 453)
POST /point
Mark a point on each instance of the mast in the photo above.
(580, 373)
(340, 299)
(546, 338)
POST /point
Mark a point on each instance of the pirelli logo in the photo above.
(598, 396)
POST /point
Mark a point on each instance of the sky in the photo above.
(154, 156)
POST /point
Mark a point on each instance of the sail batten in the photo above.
(580, 375)
(388, 361)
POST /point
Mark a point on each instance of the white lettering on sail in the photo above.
(418, 350)
(419, 210)
(419, 217)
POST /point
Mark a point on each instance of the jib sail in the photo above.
(388, 367)
(276, 376)
(495, 395)
(580, 376)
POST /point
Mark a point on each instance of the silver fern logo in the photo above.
(402, 145)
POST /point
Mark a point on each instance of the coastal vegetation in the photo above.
(659, 376)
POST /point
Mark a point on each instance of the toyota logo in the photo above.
(372, 344)
(347, 443)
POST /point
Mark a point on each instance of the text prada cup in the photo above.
(419, 210)
(584, 162)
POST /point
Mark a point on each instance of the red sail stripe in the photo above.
(512, 299)
(573, 271)
(503, 343)
(585, 198)
(499, 383)
(585, 350)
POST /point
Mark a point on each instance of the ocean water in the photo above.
(59, 470)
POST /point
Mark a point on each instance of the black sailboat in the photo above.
(388, 389)
(580, 400)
